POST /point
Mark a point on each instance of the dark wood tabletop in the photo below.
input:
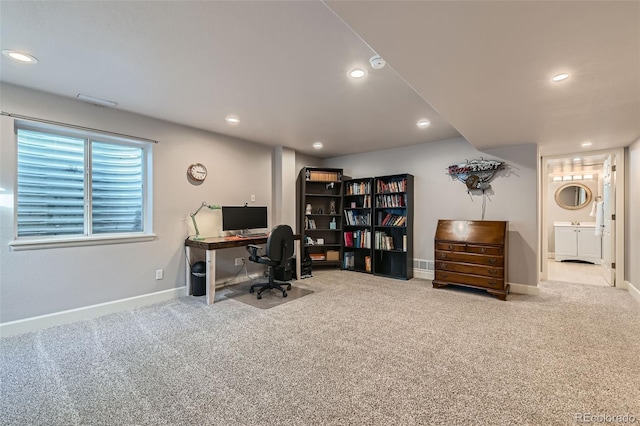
(215, 243)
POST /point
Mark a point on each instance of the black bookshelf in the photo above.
(392, 238)
(320, 214)
(357, 234)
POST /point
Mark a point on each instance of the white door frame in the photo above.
(620, 219)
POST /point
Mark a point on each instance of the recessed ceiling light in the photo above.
(232, 119)
(357, 73)
(586, 144)
(20, 56)
(317, 145)
(423, 123)
(576, 159)
(560, 77)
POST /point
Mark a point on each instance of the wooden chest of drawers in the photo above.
(472, 254)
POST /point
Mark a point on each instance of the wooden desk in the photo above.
(218, 243)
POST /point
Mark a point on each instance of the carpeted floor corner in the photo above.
(360, 350)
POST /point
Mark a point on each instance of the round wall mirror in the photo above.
(573, 196)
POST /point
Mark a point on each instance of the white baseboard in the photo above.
(58, 318)
(524, 289)
(633, 290)
(421, 273)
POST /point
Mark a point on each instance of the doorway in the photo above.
(581, 239)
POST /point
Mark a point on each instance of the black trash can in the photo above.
(199, 279)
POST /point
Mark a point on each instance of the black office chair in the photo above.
(279, 251)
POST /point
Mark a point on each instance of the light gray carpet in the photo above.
(360, 350)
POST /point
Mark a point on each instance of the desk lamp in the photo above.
(193, 218)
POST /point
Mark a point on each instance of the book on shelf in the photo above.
(358, 188)
(404, 243)
(354, 219)
(391, 200)
(367, 263)
(348, 260)
(383, 241)
(358, 239)
(317, 256)
(322, 176)
(348, 239)
(391, 186)
(391, 219)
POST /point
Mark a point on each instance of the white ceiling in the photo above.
(282, 68)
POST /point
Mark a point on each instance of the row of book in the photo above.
(349, 261)
(393, 186)
(366, 203)
(358, 239)
(391, 220)
(322, 176)
(383, 241)
(357, 188)
(397, 200)
(309, 223)
(354, 219)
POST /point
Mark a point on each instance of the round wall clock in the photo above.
(197, 172)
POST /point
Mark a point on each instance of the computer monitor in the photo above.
(243, 218)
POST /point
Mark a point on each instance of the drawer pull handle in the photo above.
(493, 282)
(450, 247)
(443, 255)
(493, 260)
(445, 275)
(483, 250)
(442, 265)
(493, 271)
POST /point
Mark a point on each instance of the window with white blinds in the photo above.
(72, 184)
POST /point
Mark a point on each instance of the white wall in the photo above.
(39, 282)
(437, 196)
(632, 218)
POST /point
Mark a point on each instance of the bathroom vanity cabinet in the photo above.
(577, 242)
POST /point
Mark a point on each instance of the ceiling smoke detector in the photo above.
(377, 62)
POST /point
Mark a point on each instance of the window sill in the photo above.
(49, 243)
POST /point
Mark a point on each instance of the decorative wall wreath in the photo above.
(476, 175)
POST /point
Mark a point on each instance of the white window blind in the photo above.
(75, 185)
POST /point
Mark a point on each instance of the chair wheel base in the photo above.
(269, 286)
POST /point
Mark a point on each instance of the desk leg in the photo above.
(298, 260)
(187, 268)
(211, 276)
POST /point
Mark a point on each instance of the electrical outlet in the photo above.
(239, 261)
(253, 198)
(159, 274)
